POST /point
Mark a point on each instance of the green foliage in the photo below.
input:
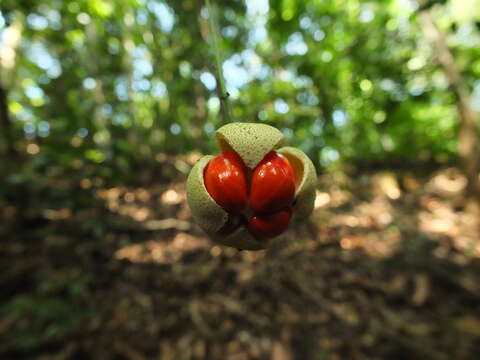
(110, 85)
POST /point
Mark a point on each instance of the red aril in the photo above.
(273, 184)
(226, 182)
(271, 225)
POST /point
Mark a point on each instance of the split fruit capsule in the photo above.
(250, 193)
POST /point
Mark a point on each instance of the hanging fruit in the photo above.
(250, 193)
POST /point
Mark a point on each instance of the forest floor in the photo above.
(387, 267)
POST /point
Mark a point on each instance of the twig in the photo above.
(214, 33)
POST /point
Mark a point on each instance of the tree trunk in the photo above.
(468, 133)
(8, 55)
(6, 124)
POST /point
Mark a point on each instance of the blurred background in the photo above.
(106, 105)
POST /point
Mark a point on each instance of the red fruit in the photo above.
(226, 181)
(269, 226)
(273, 184)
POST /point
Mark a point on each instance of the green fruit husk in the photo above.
(242, 240)
(249, 140)
(306, 181)
(205, 211)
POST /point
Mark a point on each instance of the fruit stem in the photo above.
(214, 33)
